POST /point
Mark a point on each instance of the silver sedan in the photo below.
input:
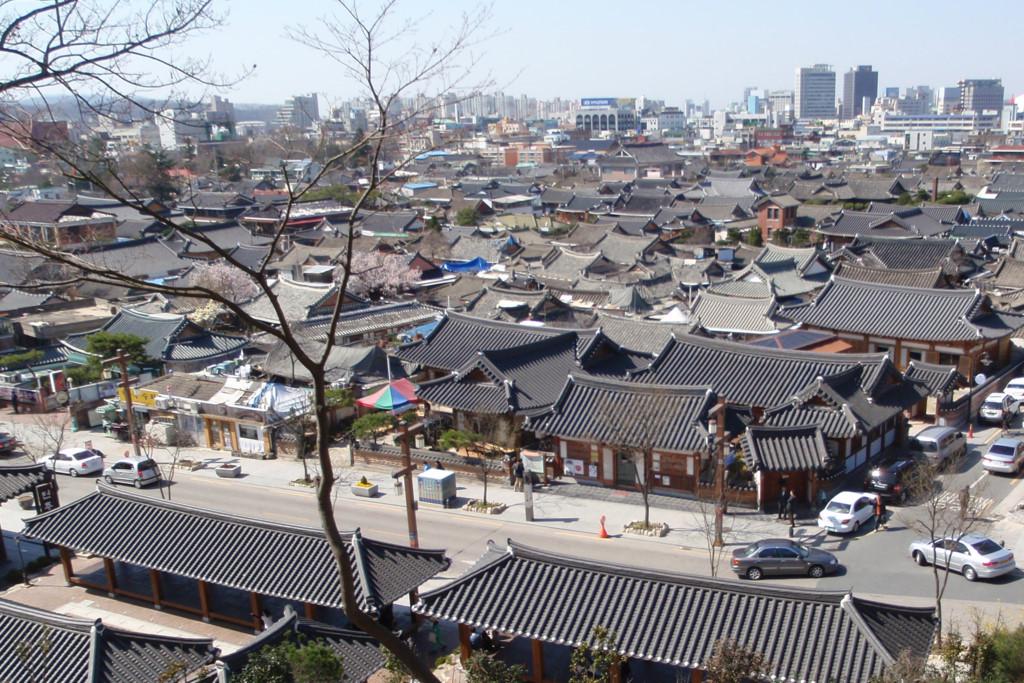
(973, 555)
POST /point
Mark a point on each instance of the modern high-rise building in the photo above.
(892, 93)
(779, 103)
(299, 111)
(860, 90)
(981, 94)
(815, 92)
(947, 100)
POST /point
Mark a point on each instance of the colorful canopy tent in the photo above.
(473, 266)
(395, 397)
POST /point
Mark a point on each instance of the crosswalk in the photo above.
(977, 506)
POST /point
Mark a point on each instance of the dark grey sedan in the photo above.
(781, 557)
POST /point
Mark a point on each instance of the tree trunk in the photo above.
(325, 508)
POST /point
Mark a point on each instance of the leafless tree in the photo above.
(45, 434)
(734, 662)
(114, 52)
(940, 515)
(732, 528)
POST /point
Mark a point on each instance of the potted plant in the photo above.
(364, 488)
(229, 470)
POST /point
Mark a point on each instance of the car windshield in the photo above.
(927, 446)
(996, 404)
(836, 506)
(999, 449)
(986, 546)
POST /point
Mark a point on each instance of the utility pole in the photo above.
(716, 424)
(121, 361)
(406, 473)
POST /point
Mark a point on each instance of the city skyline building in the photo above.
(815, 92)
(860, 90)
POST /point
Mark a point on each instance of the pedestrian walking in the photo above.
(880, 512)
(783, 501)
(791, 508)
(1006, 420)
(436, 641)
(520, 471)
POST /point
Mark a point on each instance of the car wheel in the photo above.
(969, 573)
(73, 472)
(138, 483)
(920, 558)
(816, 571)
(108, 479)
(754, 573)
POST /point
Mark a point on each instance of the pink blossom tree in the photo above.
(376, 275)
(224, 278)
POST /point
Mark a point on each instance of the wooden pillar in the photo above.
(256, 606)
(310, 609)
(615, 675)
(154, 588)
(108, 569)
(464, 649)
(65, 561)
(696, 676)
(537, 652)
(204, 600)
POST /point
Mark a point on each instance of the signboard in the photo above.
(608, 102)
(45, 495)
(533, 461)
(145, 398)
(574, 467)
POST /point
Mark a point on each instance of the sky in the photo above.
(666, 50)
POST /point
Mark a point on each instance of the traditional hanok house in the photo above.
(735, 317)
(551, 598)
(859, 415)
(785, 273)
(884, 221)
(566, 264)
(495, 391)
(947, 255)
(60, 223)
(923, 277)
(371, 324)
(219, 565)
(215, 206)
(545, 306)
(787, 458)
(584, 208)
(300, 301)
(219, 412)
(946, 327)
(598, 425)
(645, 160)
(173, 342)
(39, 645)
(626, 249)
(938, 385)
(267, 219)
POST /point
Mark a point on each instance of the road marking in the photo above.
(977, 506)
(978, 480)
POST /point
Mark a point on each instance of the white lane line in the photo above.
(978, 480)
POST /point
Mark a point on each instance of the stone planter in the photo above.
(228, 471)
(491, 509)
(26, 501)
(190, 465)
(657, 529)
(364, 491)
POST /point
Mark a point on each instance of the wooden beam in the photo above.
(256, 606)
(154, 587)
(108, 569)
(696, 676)
(537, 652)
(204, 600)
(464, 650)
(310, 610)
(65, 561)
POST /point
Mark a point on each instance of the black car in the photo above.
(781, 556)
(891, 480)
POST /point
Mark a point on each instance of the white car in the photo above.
(75, 461)
(847, 512)
(998, 405)
(1015, 389)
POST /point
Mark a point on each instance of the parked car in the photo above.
(138, 472)
(847, 512)
(973, 555)
(940, 444)
(7, 443)
(998, 407)
(892, 480)
(1015, 389)
(779, 557)
(1006, 456)
(75, 461)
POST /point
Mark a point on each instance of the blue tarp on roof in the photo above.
(422, 330)
(473, 266)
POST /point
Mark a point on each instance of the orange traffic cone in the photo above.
(603, 533)
(970, 430)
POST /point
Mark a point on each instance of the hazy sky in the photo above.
(664, 50)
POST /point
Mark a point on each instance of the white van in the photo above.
(940, 444)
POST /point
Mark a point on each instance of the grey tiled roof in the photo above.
(748, 375)
(903, 312)
(733, 315)
(18, 479)
(905, 254)
(86, 651)
(628, 414)
(635, 334)
(372, 319)
(785, 449)
(1008, 274)
(361, 655)
(278, 560)
(19, 299)
(458, 338)
(929, 277)
(806, 635)
(936, 379)
(298, 300)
